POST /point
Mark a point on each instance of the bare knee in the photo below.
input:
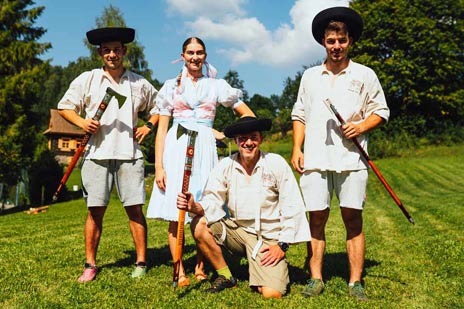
(135, 213)
(317, 222)
(353, 221)
(199, 228)
(96, 213)
(268, 292)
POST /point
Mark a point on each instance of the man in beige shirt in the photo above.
(265, 207)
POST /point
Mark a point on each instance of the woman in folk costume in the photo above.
(191, 99)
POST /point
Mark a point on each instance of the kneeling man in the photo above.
(266, 212)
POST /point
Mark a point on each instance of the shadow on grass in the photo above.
(12, 210)
(335, 266)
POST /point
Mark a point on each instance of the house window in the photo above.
(78, 142)
(64, 144)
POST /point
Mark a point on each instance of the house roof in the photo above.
(59, 125)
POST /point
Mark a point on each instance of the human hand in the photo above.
(272, 256)
(90, 126)
(185, 201)
(298, 160)
(351, 130)
(140, 133)
(218, 135)
(160, 178)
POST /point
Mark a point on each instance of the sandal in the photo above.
(183, 281)
(201, 277)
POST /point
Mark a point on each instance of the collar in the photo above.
(124, 76)
(323, 69)
(259, 164)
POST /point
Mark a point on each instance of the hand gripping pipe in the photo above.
(371, 164)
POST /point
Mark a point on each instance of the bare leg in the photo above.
(355, 242)
(200, 266)
(316, 248)
(172, 239)
(92, 232)
(206, 243)
(138, 228)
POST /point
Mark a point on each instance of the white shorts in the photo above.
(318, 187)
(99, 177)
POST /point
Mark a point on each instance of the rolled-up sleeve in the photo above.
(376, 104)
(74, 97)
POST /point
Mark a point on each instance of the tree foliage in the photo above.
(135, 58)
(224, 115)
(60, 77)
(21, 78)
(416, 49)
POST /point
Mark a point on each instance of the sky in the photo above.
(265, 41)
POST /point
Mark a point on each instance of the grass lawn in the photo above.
(407, 266)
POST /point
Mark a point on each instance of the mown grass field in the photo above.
(407, 266)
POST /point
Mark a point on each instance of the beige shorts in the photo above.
(99, 177)
(318, 187)
(239, 242)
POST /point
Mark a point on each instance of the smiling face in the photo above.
(194, 56)
(112, 54)
(248, 145)
(337, 44)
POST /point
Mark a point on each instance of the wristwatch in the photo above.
(149, 125)
(283, 246)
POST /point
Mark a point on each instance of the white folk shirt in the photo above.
(268, 202)
(356, 93)
(115, 137)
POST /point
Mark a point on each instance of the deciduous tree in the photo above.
(417, 50)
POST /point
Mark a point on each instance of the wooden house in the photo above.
(63, 137)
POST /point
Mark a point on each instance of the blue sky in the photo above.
(265, 41)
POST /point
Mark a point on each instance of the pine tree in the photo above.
(22, 75)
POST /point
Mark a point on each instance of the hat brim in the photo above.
(114, 34)
(350, 17)
(246, 125)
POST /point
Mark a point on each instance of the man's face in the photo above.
(112, 54)
(194, 57)
(336, 45)
(248, 145)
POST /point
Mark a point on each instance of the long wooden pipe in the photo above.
(371, 164)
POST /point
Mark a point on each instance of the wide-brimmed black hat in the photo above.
(350, 17)
(113, 34)
(247, 124)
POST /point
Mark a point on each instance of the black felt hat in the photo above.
(113, 34)
(247, 124)
(350, 17)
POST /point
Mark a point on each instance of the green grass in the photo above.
(407, 266)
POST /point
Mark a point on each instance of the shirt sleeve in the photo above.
(376, 103)
(295, 226)
(298, 112)
(74, 97)
(227, 95)
(164, 99)
(150, 94)
(215, 193)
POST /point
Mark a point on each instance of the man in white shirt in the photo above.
(113, 157)
(331, 162)
(265, 207)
